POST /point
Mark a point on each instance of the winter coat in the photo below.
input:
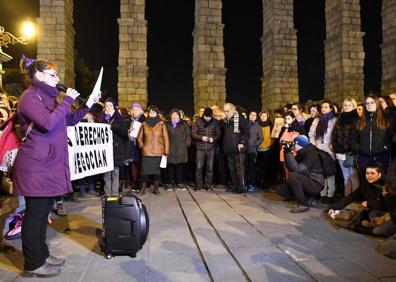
(179, 141)
(120, 138)
(41, 167)
(211, 130)
(255, 139)
(231, 139)
(371, 140)
(322, 143)
(307, 162)
(133, 147)
(342, 132)
(153, 141)
(370, 192)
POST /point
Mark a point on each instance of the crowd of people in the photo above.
(327, 156)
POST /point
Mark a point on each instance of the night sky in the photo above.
(170, 41)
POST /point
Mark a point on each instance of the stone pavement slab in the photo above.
(212, 236)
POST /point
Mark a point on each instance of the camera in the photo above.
(288, 144)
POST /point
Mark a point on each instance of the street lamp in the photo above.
(7, 38)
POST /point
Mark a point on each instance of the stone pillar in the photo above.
(56, 37)
(132, 61)
(208, 55)
(279, 51)
(388, 46)
(344, 54)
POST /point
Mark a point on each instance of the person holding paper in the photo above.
(41, 169)
(112, 117)
(153, 140)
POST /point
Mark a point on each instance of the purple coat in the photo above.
(42, 165)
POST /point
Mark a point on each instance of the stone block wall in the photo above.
(56, 37)
(279, 51)
(344, 54)
(208, 55)
(132, 61)
(388, 46)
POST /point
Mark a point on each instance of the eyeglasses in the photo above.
(370, 103)
(51, 74)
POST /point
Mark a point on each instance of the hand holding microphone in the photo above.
(92, 99)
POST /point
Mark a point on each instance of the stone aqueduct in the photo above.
(344, 54)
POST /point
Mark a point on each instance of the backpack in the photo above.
(328, 164)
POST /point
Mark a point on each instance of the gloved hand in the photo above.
(93, 98)
(333, 213)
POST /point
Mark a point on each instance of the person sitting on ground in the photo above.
(305, 180)
(370, 196)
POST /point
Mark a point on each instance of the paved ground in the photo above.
(213, 236)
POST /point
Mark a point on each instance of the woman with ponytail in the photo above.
(41, 170)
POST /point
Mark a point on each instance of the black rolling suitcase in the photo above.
(125, 225)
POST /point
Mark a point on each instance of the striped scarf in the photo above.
(236, 122)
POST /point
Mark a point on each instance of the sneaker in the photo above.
(54, 261)
(15, 232)
(181, 186)
(60, 210)
(299, 209)
(44, 271)
(251, 188)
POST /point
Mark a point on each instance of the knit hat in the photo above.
(208, 112)
(111, 100)
(301, 140)
(137, 106)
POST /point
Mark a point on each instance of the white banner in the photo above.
(90, 149)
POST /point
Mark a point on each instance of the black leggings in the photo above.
(34, 230)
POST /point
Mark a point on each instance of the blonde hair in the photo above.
(351, 100)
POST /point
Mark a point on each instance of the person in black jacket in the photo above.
(372, 137)
(112, 117)
(340, 143)
(305, 180)
(206, 132)
(236, 135)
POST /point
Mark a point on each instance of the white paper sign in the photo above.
(135, 129)
(90, 147)
(163, 162)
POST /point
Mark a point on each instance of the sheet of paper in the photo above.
(135, 129)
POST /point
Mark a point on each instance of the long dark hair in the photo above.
(380, 119)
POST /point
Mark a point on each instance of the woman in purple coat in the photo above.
(41, 169)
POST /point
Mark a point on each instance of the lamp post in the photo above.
(7, 38)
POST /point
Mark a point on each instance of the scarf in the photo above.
(236, 122)
(348, 117)
(265, 123)
(251, 123)
(152, 121)
(321, 129)
(174, 123)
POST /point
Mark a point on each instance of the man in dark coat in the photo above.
(235, 142)
(206, 132)
(305, 179)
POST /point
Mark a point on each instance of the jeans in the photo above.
(91, 185)
(34, 231)
(351, 178)
(204, 158)
(329, 187)
(236, 167)
(112, 182)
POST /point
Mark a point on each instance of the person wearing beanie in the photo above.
(119, 129)
(206, 132)
(305, 179)
(179, 141)
(153, 140)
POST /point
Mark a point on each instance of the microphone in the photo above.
(63, 88)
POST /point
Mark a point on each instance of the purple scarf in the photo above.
(323, 123)
(175, 122)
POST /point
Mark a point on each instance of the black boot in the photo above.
(156, 185)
